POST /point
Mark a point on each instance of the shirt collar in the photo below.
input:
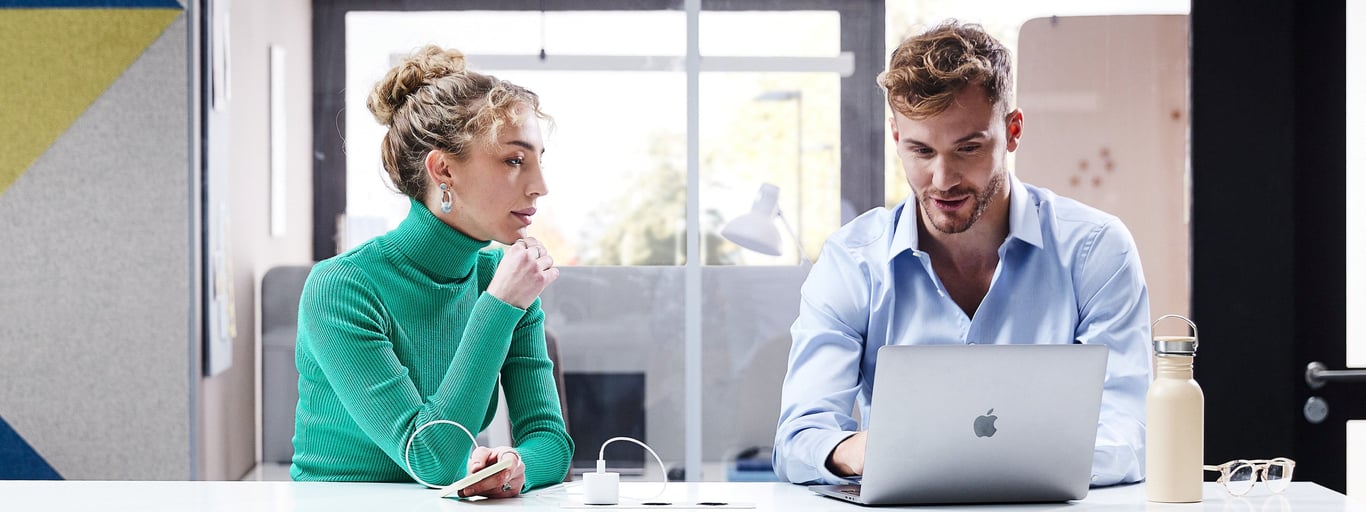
(905, 236)
(1024, 214)
(1024, 220)
(437, 248)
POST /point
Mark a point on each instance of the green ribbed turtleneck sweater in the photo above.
(398, 332)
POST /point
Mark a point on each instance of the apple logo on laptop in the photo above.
(985, 426)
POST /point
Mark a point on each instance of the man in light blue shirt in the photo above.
(974, 256)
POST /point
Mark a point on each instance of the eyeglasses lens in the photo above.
(1277, 476)
(1240, 479)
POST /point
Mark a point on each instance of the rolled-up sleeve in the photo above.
(823, 377)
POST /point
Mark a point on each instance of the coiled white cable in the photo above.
(665, 472)
(473, 444)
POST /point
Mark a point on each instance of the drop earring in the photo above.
(446, 198)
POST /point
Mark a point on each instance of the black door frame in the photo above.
(1268, 227)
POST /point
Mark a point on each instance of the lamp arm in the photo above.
(801, 249)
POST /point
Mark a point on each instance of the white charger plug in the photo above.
(601, 487)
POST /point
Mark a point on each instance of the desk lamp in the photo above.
(756, 230)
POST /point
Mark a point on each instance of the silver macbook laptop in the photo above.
(980, 424)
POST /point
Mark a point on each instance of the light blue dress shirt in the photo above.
(1068, 273)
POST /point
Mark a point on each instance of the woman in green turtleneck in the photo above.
(421, 323)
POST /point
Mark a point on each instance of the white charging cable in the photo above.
(600, 488)
(473, 444)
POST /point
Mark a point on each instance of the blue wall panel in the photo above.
(18, 460)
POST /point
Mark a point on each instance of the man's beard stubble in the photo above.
(982, 200)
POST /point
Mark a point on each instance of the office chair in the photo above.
(280, 291)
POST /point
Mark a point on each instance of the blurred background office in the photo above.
(169, 170)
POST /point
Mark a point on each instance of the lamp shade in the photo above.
(756, 230)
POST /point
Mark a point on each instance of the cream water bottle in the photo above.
(1176, 421)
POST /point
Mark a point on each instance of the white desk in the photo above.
(343, 497)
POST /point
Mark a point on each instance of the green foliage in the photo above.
(645, 225)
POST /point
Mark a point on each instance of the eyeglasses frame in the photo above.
(1259, 468)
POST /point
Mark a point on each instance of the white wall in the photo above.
(228, 439)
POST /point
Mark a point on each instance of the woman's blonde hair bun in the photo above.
(425, 66)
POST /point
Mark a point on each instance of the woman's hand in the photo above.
(503, 484)
(525, 271)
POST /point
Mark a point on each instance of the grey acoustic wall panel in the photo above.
(95, 264)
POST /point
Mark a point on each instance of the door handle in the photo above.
(1317, 375)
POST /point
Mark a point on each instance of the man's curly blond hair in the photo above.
(928, 70)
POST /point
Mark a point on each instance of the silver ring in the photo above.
(507, 487)
(539, 252)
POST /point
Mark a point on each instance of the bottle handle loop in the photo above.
(1195, 333)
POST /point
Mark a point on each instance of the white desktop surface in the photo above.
(21, 495)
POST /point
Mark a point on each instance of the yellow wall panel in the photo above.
(53, 64)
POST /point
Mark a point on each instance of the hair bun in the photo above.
(424, 66)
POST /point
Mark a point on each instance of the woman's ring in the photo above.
(507, 487)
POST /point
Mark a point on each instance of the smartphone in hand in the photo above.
(454, 488)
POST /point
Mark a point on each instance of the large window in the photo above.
(616, 162)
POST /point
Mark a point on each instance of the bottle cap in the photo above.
(1176, 345)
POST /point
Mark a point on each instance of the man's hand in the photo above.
(846, 459)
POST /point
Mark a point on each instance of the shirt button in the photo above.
(972, 343)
